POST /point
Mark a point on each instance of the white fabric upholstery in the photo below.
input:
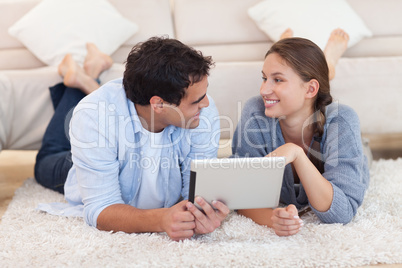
(9, 14)
(28, 107)
(5, 115)
(207, 22)
(242, 52)
(383, 18)
(373, 87)
(153, 17)
(18, 58)
(381, 46)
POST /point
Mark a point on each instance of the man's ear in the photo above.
(312, 88)
(157, 104)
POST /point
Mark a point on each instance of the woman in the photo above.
(295, 117)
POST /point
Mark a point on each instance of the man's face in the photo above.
(187, 114)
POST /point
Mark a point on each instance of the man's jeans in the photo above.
(54, 157)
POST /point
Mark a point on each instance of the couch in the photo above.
(368, 76)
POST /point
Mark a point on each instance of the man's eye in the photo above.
(277, 80)
(264, 79)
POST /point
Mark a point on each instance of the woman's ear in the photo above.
(312, 88)
(156, 104)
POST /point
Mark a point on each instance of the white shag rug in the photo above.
(29, 238)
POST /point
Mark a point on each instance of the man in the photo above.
(132, 141)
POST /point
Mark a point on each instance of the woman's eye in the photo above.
(277, 80)
(264, 79)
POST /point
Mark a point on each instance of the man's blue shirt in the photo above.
(106, 152)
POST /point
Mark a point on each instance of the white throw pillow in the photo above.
(54, 28)
(311, 19)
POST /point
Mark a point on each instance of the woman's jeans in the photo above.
(53, 161)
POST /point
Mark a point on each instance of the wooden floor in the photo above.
(17, 166)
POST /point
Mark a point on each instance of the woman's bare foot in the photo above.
(96, 61)
(286, 34)
(336, 46)
(75, 77)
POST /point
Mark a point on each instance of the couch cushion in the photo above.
(207, 22)
(373, 88)
(10, 12)
(29, 108)
(379, 46)
(5, 110)
(154, 17)
(383, 18)
(18, 58)
(236, 52)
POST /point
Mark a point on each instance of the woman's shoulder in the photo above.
(341, 112)
(254, 105)
(344, 118)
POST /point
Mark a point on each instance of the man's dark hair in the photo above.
(163, 67)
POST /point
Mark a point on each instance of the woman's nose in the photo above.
(266, 89)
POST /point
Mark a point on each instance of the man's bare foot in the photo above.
(96, 61)
(286, 34)
(336, 46)
(75, 77)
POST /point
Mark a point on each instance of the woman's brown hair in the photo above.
(308, 61)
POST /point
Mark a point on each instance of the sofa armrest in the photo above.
(27, 108)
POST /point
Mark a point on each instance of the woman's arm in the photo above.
(335, 195)
(318, 189)
(284, 221)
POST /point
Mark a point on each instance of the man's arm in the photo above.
(176, 221)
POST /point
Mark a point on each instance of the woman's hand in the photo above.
(289, 150)
(286, 221)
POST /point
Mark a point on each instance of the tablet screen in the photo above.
(240, 183)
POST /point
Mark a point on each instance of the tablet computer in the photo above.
(240, 183)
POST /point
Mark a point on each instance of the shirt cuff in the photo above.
(340, 210)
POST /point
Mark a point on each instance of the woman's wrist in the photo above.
(298, 152)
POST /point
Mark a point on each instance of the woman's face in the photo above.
(283, 91)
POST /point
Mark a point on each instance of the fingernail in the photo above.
(301, 221)
(296, 217)
(214, 202)
(189, 205)
(301, 224)
(198, 199)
